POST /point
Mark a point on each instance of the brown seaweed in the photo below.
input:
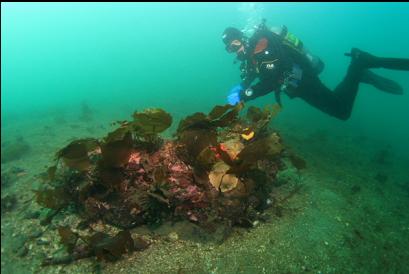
(218, 111)
(209, 172)
(261, 149)
(265, 148)
(110, 176)
(49, 175)
(206, 159)
(51, 172)
(52, 198)
(228, 118)
(101, 245)
(197, 120)
(195, 141)
(268, 113)
(151, 121)
(110, 248)
(218, 117)
(117, 147)
(68, 238)
(254, 114)
(75, 154)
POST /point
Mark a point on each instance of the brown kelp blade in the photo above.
(229, 117)
(151, 121)
(197, 120)
(110, 176)
(206, 159)
(254, 114)
(68, 238)
(49, 175)
(117, 147)
(75, 154)
(261, 118)
(264, 148)
(261, 149)
(196, 140)
(110, 248)
(219, 178)
(218, 111)
(52, 198)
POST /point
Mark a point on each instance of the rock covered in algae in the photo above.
(209, 173)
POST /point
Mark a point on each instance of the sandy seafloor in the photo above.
(350, 215)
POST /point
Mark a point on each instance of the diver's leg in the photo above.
(394, 63)
(338, 103)
(366, 60)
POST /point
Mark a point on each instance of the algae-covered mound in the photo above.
(219, 168)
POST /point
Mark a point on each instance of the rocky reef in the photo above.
(218, 170)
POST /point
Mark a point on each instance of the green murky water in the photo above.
(63, 61)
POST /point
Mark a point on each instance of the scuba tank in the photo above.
(292, 41)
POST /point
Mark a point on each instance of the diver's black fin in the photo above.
(381, 83)
(366, 60)
(394, 63)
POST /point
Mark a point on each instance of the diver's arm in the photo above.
(248, 75)
(260, 89)
(247, 80)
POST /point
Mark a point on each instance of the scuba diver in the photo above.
(283, 64)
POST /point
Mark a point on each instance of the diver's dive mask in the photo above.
(238, 47)
(234, 46)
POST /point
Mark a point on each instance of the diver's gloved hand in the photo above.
(234, 95)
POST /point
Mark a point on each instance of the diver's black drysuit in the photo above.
(282, 67)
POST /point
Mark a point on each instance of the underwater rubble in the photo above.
(219, 169)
